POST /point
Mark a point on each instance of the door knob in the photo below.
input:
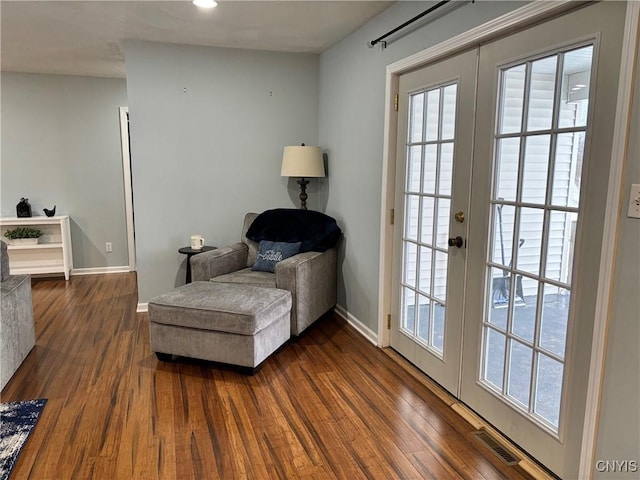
(456, 242)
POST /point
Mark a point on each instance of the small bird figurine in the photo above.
(50, 213)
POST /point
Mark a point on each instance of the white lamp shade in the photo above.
(302, 161)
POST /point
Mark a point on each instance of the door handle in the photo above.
(456, 242)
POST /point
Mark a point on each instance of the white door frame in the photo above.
(128, 189)
(519, 19)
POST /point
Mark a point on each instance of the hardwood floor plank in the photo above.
(328, 405)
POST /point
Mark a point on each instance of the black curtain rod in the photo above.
(409, 22)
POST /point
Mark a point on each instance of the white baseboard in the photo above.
(100, 270)
(362, 329)
(142, 308)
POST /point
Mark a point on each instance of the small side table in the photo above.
(190, 252)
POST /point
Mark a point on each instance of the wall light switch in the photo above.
(108, 247)
(634, 201)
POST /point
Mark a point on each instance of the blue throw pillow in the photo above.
(270, 253)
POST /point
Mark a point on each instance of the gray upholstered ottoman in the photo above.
(228, 323)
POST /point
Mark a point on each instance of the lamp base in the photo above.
(303, 193)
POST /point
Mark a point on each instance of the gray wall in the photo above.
(619, 425)
(352, 83)
(208, 127)
(61, 145)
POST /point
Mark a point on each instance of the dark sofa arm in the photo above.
(220, 261)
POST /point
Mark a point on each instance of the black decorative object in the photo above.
(303, 193)
(49, 213)
(23, 209)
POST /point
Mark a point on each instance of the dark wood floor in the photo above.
(329, 405)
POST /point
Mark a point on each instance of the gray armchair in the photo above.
(311, 277)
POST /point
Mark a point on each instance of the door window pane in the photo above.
(410, 261)
(411, 221)
(507, 160)
(530, 240)
(438, 327)
(500, 285)
(433, 114)
(555, 316)
(427, 220)
(408, 309)
(444, 207)
(524, 312)
(425, 270)
(449, 111)
(504, 216)
(541, 93)
(520, 366)
(430, 169)
(424, 317)
(415, 120)
(512, 99)
(446, 169)
(440, 276)
(576, 79)
(567, 170)
(560, 246)
(494, 358)
(549, 389)
(413, 167)
(536, 166)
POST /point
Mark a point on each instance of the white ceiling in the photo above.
(85, 37)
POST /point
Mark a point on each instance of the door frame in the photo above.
(128, 188)
(500, 26)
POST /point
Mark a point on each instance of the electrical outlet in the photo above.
(108, 247)
(634, 201)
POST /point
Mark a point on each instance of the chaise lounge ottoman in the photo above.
(234, 324)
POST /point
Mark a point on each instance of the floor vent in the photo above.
(493, 445)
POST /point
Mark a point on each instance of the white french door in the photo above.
(437, 114)
(503, 160)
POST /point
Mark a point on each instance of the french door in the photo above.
(431, 185)
(503, 158)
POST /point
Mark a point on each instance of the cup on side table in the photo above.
(197, 242)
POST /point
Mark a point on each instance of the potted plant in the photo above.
(23, 235)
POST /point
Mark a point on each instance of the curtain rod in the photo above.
(408, 22)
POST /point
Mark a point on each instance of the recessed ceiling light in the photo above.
(205, 3)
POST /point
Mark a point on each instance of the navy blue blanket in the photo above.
(314, 230)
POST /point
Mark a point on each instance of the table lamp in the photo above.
(302, 162)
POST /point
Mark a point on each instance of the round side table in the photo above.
(190, 252)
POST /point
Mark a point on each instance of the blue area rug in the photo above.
(17, 422)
